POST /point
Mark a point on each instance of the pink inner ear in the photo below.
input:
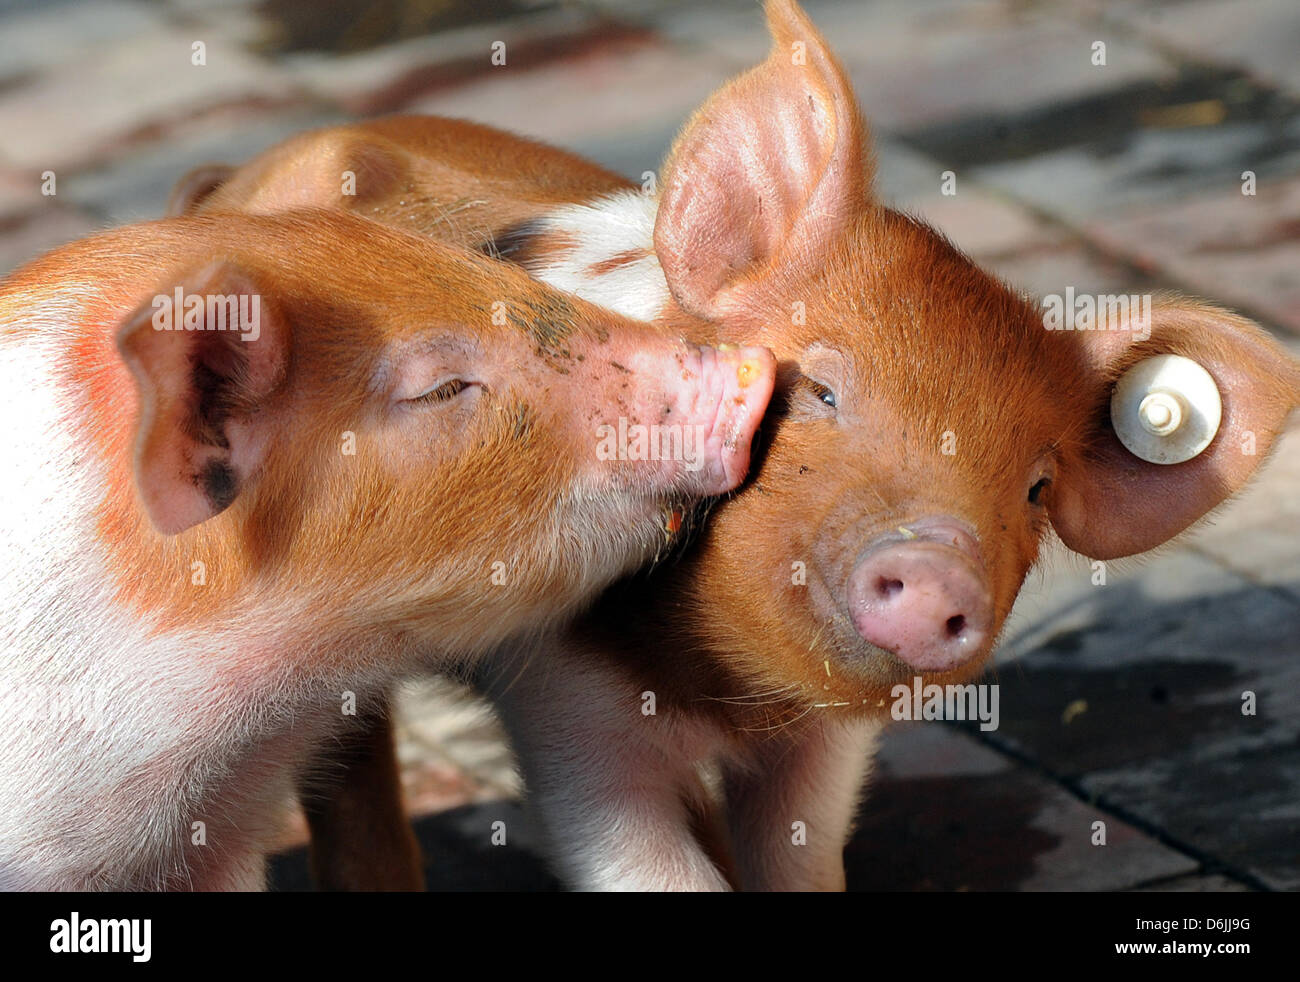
(181, 484)
(255, 356)
(202, 430)
(770, 170)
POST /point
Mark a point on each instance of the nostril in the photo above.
(926, 602)
(887, 589)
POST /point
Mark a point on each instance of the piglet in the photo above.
(260, 465)
(930, 430)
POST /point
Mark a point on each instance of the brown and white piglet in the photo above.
(257, 465)
(930, 429)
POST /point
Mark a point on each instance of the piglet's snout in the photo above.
(925, 598)
(748, 376)
(725, 403)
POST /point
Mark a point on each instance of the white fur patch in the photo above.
(115, 739)
(602, 230)
(607, 784)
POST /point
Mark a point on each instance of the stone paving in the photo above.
(1120, 703)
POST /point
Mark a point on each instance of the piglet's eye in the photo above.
(1039, 489)
(442, 392)
(823, 392)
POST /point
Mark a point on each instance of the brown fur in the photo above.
(363, 780)
(917, 342)
(451, 180)
(307, 493)
(327, 570)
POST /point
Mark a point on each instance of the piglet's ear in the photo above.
(330, 168)
(1109, 503)
(196, 186)
(206, 352)
(770, 169)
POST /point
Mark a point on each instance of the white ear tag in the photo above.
(1166, 409)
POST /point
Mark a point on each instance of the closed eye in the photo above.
(443, 392)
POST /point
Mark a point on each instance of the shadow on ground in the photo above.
(458, 853)
(1156, 745)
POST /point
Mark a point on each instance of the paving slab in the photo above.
(135, 185)
(390, 77)
(24, 237)
(81, 111)
(905, 176)
(631, 154)
(452, 747)
(20, 191)
(1263, 36)
(947, 813)
(1258, 537)
(1052, 267)
(52, 35)
(1142, 168)
(1244, 249)
(1196, 883)
(732, 33)
(931, 63)
(985, 224)
(617, 91)
(1133, 692)
(239, 22)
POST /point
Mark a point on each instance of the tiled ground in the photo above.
(1120, 703)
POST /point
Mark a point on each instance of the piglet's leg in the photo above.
(352, 796)
(612, 788)
(791, 806)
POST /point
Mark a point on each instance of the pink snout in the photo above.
(748, 376)
(926, 599)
